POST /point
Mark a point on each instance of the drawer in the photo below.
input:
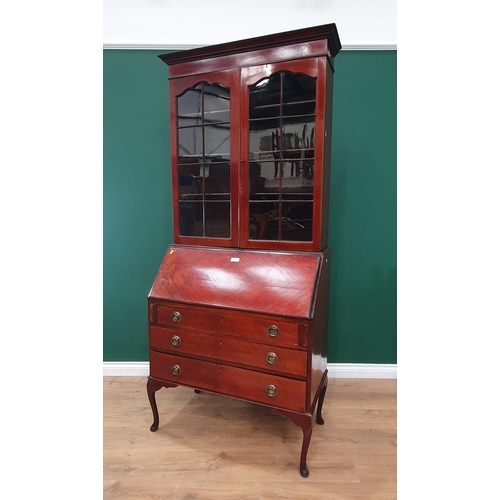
(222, 348)
(184, 317)
(262, 329)
(231, 381)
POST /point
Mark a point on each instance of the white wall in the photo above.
(179, 24)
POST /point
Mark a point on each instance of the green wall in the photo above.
(137, 202)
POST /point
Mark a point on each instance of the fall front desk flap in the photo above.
(282, 283)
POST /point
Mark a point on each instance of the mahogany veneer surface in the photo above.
(266, 282)
(222, 348)
(229, 380)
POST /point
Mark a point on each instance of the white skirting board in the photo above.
(335, 370)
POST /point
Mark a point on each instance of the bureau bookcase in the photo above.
(239, 306)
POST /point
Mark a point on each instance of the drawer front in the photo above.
(240, 383)
(183, 317)
(222, 348)
(261, 329)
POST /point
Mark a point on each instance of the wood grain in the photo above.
(224, 379)
(274, 283)
(234, 351)
(211, 447)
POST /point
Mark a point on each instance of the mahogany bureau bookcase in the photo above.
(239, 306)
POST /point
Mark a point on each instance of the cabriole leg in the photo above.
(304, 421)
(306, 431)
(152, 387)
(319, 418)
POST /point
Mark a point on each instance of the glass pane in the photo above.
(265, 97)
(263, 184)
(298, 193)
(281, 138)
(204, 161)
(263, 216)
(301, 171)
(298, 144)
(189, 107)
(302, 126)
(217, 219)
(296, 221)
(191, 217)
(217, 179)
(189, 181)
(297, 172)
(217, 141)
(190, 142)
(216, 104)
(299, 108)
(187, 171)
(299, 88)
(264, 139)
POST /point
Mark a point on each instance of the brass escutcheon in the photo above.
(271, 358)
(175, 340)
(273, 330)
(176, 316)
(271, 391)
(176, 369)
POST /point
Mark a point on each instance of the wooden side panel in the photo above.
(320, 330)
(230, 381)
(326, 70)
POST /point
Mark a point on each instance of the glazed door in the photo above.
(205, 160)
(282, 117)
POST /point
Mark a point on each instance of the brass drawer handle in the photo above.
(271, 391)
(271, 358)
(176, 369)
(273, 331)
(176, 317)
(175, 340)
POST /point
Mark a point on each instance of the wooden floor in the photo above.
(211, 447)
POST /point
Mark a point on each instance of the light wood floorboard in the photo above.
(214, 448)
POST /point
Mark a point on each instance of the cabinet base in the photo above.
(302, 420)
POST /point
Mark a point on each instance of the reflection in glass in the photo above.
(264, 140)
(265, 97)
(191, 216)
(217, 219)
(215, 104)
(263, 184)
(190, 142)
(217, 141)
(299, 88)
(217, 180)
(281, 150)
(296, 221)
(189, 107)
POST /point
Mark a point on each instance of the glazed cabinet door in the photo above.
(282, 152)
(205, 162)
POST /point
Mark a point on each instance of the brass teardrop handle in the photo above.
(176, 317)
(175, 340)
(176, 369)
(271, 391)
(271, 358)
(273, 331)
